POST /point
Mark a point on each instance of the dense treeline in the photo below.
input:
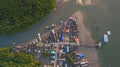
(8, 59)
(18, 15)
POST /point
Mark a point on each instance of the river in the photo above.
(103, 14)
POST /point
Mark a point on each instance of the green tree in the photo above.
(19, 15)
(8, 59)
(46, 54)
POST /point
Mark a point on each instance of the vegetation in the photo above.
(8, 59)
(46, 54)
(69, 58)
(39, 44)
(19, 15)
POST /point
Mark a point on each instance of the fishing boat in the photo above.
(47, 27)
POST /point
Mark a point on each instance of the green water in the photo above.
(106, 19)
(104, 15)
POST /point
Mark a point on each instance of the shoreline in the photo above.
(90, 52)
(86, 38)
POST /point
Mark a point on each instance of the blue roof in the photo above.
(82, 55)
(67, 48)
(53, 57)
(52, 52)
(62, 38)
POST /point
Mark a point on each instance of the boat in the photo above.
(50, 26)
(105, 38)
(47, 27)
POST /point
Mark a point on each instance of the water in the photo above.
(104, 15)
(107, 19)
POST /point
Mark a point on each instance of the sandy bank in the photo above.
(84, 2)
(86, 38)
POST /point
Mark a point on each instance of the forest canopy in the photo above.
(10, 59)
(19, 15)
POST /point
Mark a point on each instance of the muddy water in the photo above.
(99, 15)
(105, 16)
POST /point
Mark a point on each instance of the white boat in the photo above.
(109, 32)
(105, 38)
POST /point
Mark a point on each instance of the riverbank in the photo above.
(84, 36)
(49, 38)
(22, 17)
(24, 36)
(87, 39)
(96, 17)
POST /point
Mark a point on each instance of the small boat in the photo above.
(109, 32)
(50, 26)
(47, 27)
(105, 38)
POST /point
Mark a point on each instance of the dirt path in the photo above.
(86, 38)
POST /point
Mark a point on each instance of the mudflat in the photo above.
(86, 39)
(85, 34)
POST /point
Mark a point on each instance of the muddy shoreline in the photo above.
(85, 36)
(87, 39)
